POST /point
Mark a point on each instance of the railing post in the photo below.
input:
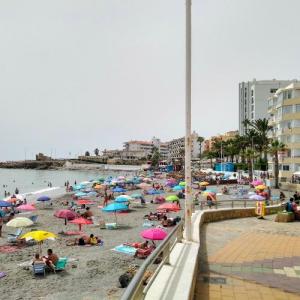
(216, 204)
(245, 203)
(180, 234)
(232, 204)
(166, 254)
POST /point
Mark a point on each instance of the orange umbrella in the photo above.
(84, 201)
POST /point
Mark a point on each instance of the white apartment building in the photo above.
(253, 97)
(177, 146)
(147, 147)
(284, 117)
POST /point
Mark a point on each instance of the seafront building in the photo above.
(284, 117)
(229, 135)
(177, 146)
(253, 99)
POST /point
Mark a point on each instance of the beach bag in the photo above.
(125, 279)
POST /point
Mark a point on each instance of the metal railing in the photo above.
(136, 289)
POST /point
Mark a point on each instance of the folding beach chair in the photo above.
(39, 269)
(12, 237)
(61, 264)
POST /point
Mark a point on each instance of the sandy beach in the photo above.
(93, 271)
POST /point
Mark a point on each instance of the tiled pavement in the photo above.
(252, 261)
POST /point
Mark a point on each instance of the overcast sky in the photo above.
(75, 75)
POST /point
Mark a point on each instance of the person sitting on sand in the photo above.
(166, 222)
(92, 240)
(51, 259)
(37, 259)
(87, 214)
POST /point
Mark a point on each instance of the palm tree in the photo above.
(250, 154)
(274, 148)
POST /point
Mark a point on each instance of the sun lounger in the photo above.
(61, 264)
(111, 225)
(143, 253)
(39, 269)
(125, 249)
(12, 237)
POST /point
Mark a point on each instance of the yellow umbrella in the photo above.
(204, 183)
(97, 186)
(39, 236)
(260, 187)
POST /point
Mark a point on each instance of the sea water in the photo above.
(50, 182)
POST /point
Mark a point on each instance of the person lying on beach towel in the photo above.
(85, 241)
(157, 216)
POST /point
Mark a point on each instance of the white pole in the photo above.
(188, 142)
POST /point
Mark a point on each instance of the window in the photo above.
(287, 109)
(297, 108)
(272, 91)
(296, 123)
(285, 167)
(287, 94)
(252, 92)
(296, 152)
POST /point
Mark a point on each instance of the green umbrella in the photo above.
(172, 198)
(182, 183)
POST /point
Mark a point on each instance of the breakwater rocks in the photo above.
(33, 164)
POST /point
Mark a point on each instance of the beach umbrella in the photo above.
(147, 179)
(115, 207)
(178, 188)
(19, 222)
(80, 194)
(39, 236)
(136, 196)
(65, 214)
(81, 221)
(172, 198)
(121, 177)
(204, 183)
(160, 199)
(26, 207)
(153, 192)
(144, 186)
(182, 183)
(43, 198)
(78, 187)
(257, 197)
(169, 207)
(154, 234)
(5, 203)
(123, 198)
(84, 202)
(118, 190)
(256, 182)
(260, 187)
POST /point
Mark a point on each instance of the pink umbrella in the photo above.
(26, 207)
(169, 207)
(154, 234)
(81, 221)
(65, 214)
(144, 186)
(256, 182)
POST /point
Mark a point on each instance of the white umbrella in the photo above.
(19, 222)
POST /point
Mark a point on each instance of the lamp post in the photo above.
(188, 141)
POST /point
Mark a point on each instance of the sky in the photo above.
(76, 75)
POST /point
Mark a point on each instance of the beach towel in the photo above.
(9, 248)
(125, 249)
(72, 233)
(2, 274)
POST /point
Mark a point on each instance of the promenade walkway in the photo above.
(249, 259)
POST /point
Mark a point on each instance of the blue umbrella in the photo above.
(154, 192)
(178, 188)
(114, 207)
(118, 190)
(80, 194)
(43, 198)
(78, 187)
(5, 203)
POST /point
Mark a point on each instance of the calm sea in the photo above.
(35, 182)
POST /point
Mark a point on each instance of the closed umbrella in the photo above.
(154, 234)
(81, 221)
(65, 214)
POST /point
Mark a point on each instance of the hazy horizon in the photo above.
(76, 75)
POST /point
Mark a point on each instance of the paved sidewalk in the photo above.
(249, 259)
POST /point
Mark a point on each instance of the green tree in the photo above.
(87, 153)
(155, 157)
(200, 140)
(96, 151)
(274, 148)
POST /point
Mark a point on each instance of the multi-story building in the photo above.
(208, 144)
(147, 147)
(177, 146)
(284, 117)
(253, 99)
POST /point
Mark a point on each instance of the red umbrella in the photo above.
(84, 201)
(169, 207)
(65, 214)
(81, 221)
